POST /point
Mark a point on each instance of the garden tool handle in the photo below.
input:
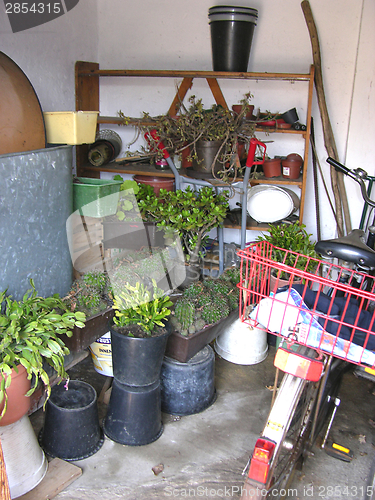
(160, 145)
(251, 154)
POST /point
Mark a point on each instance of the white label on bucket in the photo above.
(286, 171)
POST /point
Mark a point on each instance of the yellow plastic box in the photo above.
(71, 127)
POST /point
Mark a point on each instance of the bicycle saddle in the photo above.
(350, 248)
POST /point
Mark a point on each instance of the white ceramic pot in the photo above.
(25, 462)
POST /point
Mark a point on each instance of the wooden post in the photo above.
(337, 181)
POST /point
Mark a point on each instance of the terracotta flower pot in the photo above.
(291, 169)
(18, 404)
(157, 183)
(272, 168)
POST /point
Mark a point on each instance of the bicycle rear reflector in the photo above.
(261, 460)
(301, 366)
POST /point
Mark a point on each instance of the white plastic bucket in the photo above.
(25, 462)
(101, 353)
(268, 203)
(241, 344)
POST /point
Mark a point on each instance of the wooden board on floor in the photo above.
(59, 475)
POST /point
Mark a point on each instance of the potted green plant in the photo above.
(192, 215)
(92, 295)
(211, 136)
(291, 246)
(31, 330)
(202, 311)
(131, 228)
(138, 336)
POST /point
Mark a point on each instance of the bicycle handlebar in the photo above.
(359, 175)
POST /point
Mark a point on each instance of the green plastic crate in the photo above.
(95, 197)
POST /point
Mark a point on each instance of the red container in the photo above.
(156, 182)
(291, 169)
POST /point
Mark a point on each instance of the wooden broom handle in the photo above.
(337, 179)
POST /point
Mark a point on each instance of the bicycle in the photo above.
(324, 324)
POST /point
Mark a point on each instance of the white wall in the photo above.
(47, 53)
(174, 34)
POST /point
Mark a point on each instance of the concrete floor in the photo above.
(203, 455)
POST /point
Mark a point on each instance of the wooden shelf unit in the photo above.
(87, 82)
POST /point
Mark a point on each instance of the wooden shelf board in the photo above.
(196, 74)
(132, 168)
(276, 181)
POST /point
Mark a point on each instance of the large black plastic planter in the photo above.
(134, 414)
(71, 427)
(137, 361)
(188, 388)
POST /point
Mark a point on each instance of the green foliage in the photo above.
(29, 333)
(90, 294)
(130, 194)
(292, 237)
(217, 123)
(137, 305)
(95, 279)
(192, 214)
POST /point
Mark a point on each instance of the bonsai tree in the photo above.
(29, 332)
(138, 306)
(292, 237)
(192, 214)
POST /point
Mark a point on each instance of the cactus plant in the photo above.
(204, 303)
(184, 312)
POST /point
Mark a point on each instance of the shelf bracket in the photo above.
(185, 85)
(216, 92)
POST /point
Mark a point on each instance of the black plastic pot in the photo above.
(232, 30)
(188, 388)
(137, 361)
(71, 427)
(134, 414)
(290, 116)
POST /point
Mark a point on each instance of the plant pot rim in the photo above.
(113, 328)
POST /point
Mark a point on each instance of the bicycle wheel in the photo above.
(370, 485)
(285, 433)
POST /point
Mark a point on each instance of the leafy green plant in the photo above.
(90, 294)
(192, 214)
(194, 122)
(130, 194)
(292, 237)
(138, 305)
(29, 332)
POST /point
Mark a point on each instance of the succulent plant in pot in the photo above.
(31, 330)
(197, 128)
(199, 314)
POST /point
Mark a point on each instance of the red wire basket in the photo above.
(309, 301)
